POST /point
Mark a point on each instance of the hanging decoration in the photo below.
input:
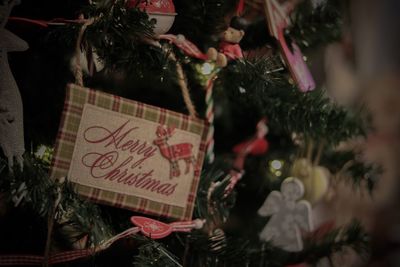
(315, 179)
(278, 19)
(128, 154)
(162, 12)
(210, 119)
(11, 107)
(124, 153)
(230, 40)
(257, 145)
(156, 229)
(288, 216)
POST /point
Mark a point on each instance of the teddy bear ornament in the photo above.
(230, 40)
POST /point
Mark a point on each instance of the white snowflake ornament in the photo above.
(288, 216)
(11, 115)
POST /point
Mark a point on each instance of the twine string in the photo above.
(184, 87)
(78, 68)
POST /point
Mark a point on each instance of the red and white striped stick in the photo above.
(210, 119)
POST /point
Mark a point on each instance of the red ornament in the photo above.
(240, 7)
(156, 6)
(162, 11)
(256, 145)
(151, 228)
(156, 229)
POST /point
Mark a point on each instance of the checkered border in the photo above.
(76, 98)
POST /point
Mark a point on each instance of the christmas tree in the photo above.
(251, 152)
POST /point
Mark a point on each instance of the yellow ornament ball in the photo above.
(301, 168)
(314, 178)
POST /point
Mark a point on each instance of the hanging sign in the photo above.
(128, 154)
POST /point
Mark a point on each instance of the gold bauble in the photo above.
(314, 178)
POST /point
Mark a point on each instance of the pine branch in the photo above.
(258, 88)
(361, 174)
(117, 34)
(41, 191)
(211, 203)
(154, 254)
(316, 247)
(312, 27)
(75, 218)
(203, 20)
(352, 236)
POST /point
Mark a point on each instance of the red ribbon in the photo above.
(257, 145)
(46, 23)
(34, 260)
(240, 7)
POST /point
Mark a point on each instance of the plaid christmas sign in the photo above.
(128, 154)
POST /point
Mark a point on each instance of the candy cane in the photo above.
(210, 119)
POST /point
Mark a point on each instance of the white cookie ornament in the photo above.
(11, 110)
(288, 216)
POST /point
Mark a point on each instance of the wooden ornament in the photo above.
(152, 228)
(128, 154)
(11, 108)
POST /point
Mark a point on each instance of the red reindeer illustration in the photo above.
(174, 153)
